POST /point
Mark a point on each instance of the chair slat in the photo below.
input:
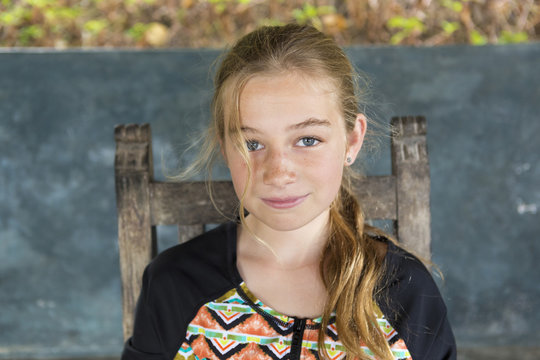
(377, 197)
(189, 203)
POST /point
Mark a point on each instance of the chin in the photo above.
(283, 222)
(285, 225)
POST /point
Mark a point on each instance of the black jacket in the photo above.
(181, 280)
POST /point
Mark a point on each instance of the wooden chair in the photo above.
(402, 197)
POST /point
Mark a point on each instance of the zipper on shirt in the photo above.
(298, 336)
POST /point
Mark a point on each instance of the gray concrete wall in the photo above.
(59, 278)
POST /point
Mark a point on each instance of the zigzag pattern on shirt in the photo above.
(238, 326)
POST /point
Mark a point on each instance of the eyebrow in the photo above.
(301, 125)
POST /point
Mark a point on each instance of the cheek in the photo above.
(328, 163)
(237, 168)
(330, 175)
(239, 176)
(327, 170)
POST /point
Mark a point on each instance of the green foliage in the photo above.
(41, 3)
(406, 26)
(135, 2)
(412, 23)
(219, 5)
(60, 14)
(508, 37)
(270, 22)
(137, 31)
(15, 17)
(30, 33)
(74, 23)
(476, 38)
(310, 14)
(181, 14)
(95, 26)
(456, 6)
(450, 27)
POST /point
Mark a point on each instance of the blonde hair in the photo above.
(351, 264)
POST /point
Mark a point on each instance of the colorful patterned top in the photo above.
(194, 305)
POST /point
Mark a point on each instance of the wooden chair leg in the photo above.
(411, 167)
(136, 236)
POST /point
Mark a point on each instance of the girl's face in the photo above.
(297, 145)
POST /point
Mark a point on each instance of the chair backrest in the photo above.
(142, 203)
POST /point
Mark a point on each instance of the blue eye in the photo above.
(253, 145)
(308, 141)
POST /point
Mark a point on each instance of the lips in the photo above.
(285, 202)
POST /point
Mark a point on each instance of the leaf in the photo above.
(414, 23)
(299, 16)
(397, 38)
(396, 22)
(450, 27)
(95, 26)
(30, 33)
(15, 17)
(220, 8)
(137, 31)
(8, 19)
(70, 13)
(310, 11)
(410, 25)
(456, 6)
(270, 22)
(476, 38)
(508, 37)
(40, 3)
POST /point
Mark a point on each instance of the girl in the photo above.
(299, 276)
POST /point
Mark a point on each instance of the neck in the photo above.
(289, 249)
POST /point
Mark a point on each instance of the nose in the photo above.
(278, 169)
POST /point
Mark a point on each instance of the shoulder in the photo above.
(404, 271)
(412, 303)
(187, 275)
(175, 285)
(204, 255)
(405, 284)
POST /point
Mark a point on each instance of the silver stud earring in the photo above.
(349, 160)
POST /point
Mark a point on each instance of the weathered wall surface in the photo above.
(59, 278)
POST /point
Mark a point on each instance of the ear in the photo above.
(355, 139)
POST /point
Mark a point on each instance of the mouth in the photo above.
(284, 203)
